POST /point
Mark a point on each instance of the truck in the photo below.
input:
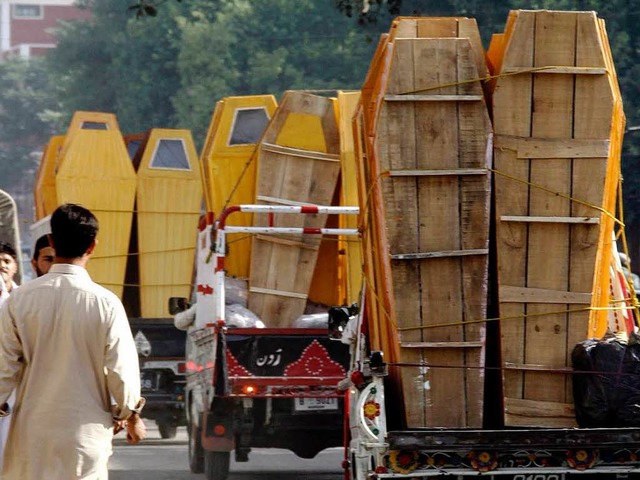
(498, 334)
(250, 386)
(161, 352)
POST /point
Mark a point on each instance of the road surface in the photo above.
(158, 459)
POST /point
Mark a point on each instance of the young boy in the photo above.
(8, 269)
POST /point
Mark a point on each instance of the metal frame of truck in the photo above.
(222, 405)
(517, 454)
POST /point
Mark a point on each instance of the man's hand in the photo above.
(136, 429)
(118, 425)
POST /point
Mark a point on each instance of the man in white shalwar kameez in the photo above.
(8, 270)
(66, 346)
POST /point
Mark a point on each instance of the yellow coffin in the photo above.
(45, 197)
(168, 205)
(351, 266)
(229, 170)
(95, 171)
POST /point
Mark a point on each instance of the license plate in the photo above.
(148, 380)
(315, 403)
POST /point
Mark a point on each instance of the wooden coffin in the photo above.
(168, 205)
(430, 195)
(95, 171)
(298, 163)
(558, 126)
(44, 192)
(229, 167)
(351, 259)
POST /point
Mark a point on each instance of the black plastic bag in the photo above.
(606, 383)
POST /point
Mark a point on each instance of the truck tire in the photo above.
(216, 465)
(167, 430)
(196, 452)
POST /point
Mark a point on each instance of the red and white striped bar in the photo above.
(305, 209)
(284, 230)
(222, 229)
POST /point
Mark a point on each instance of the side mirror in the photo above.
(177, 305)
(338, 319)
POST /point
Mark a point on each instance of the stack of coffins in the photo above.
(558, 125)
(425, 187)
(147, 218)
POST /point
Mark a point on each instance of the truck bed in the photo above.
(519, 454)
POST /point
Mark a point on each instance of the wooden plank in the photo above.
(553, 147)
(551, 414)
(548, 246)
(405, 27)
(443, 254)
(442, 345)
(433, 98)
(397, 150)
(543, 148)
(559, 70)
(423, 173)
(538, 219)
(297, 152)
(281, 293)
(474, 150)
(538, 368)
(542, 295)
(286, 241)
(439, 228)
(512, 116)
(437, 27)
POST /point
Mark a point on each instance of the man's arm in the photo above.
(11, 355)
(123, 373)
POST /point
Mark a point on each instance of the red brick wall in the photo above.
(34, 30)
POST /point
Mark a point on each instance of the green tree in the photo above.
(117, 63)
(245, 48)
(26, 119)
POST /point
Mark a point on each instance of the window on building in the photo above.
(248, 126)
(170, 153)
(21, 10)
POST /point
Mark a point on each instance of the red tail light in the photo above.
(249, 389)
(182, 367)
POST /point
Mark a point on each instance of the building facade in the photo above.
(26, 26)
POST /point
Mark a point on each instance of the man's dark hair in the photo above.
(8, 249)
(41, 243)
(73, 229)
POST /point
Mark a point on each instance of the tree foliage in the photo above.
(26, 118)
(164, 63)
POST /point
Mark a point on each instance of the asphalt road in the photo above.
(158, 459)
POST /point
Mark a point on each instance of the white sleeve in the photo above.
(184, 320)
(121, 364)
